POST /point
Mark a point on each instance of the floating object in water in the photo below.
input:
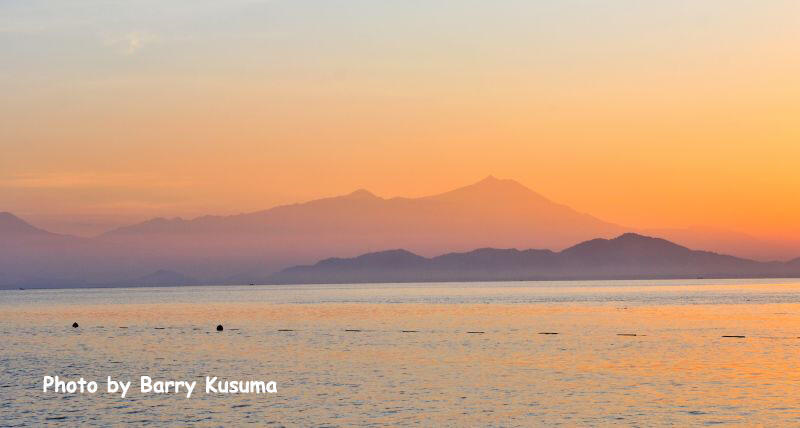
(476, 332)
(74, 325)
(548, 332)
(626, 334)
(410, 331)
(285, 329)
(123, 327)
(219, 327)
(353, 330)
(160, 328)
(734, 336)
(252, 283)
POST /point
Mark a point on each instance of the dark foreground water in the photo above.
(631, 353)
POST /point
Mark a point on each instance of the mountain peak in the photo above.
(492, 188)
(11, 224)
(636, 239)
(632, 236)
(7, 216)
(395, 253)
(491, 180)
(362, 194)
(627, 244)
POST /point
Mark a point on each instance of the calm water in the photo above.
(678, 369)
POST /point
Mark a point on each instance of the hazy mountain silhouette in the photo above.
(627, 256)
(32, 257)
(492, 212)
(244, 248)
(12, 226)
(730, 242)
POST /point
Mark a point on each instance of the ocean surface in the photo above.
(457, 354)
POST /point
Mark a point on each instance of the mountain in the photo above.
(249, 247)
(489, 213)
(627, 256)
(730, 242)
(34, 258)
(13, 227)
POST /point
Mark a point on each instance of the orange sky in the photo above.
(646, 115)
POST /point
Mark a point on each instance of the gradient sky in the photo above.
(643, 113)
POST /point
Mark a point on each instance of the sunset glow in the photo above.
(666, 114)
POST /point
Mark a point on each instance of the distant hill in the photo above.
(34, 258)
(728, 242)
(492, 212)
(13, 227)
(244, 248)
(627, 256)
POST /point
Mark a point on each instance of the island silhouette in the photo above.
(628, 256)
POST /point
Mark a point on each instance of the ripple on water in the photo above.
(382, 375)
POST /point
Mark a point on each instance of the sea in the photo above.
(583, 353)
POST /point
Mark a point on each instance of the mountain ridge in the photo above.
(10, 224)
(627, 256)
(489, 187)
(488, 213)
(242, 248)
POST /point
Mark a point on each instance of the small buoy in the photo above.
(219, 327)
(74, 325)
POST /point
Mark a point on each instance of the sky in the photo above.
(646, 114)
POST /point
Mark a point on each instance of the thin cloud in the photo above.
(92, 180)
(131, 43)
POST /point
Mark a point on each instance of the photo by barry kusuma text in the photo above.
(148, 385)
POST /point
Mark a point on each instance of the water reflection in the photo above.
(677, 369)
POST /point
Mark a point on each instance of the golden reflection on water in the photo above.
(678, 369)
